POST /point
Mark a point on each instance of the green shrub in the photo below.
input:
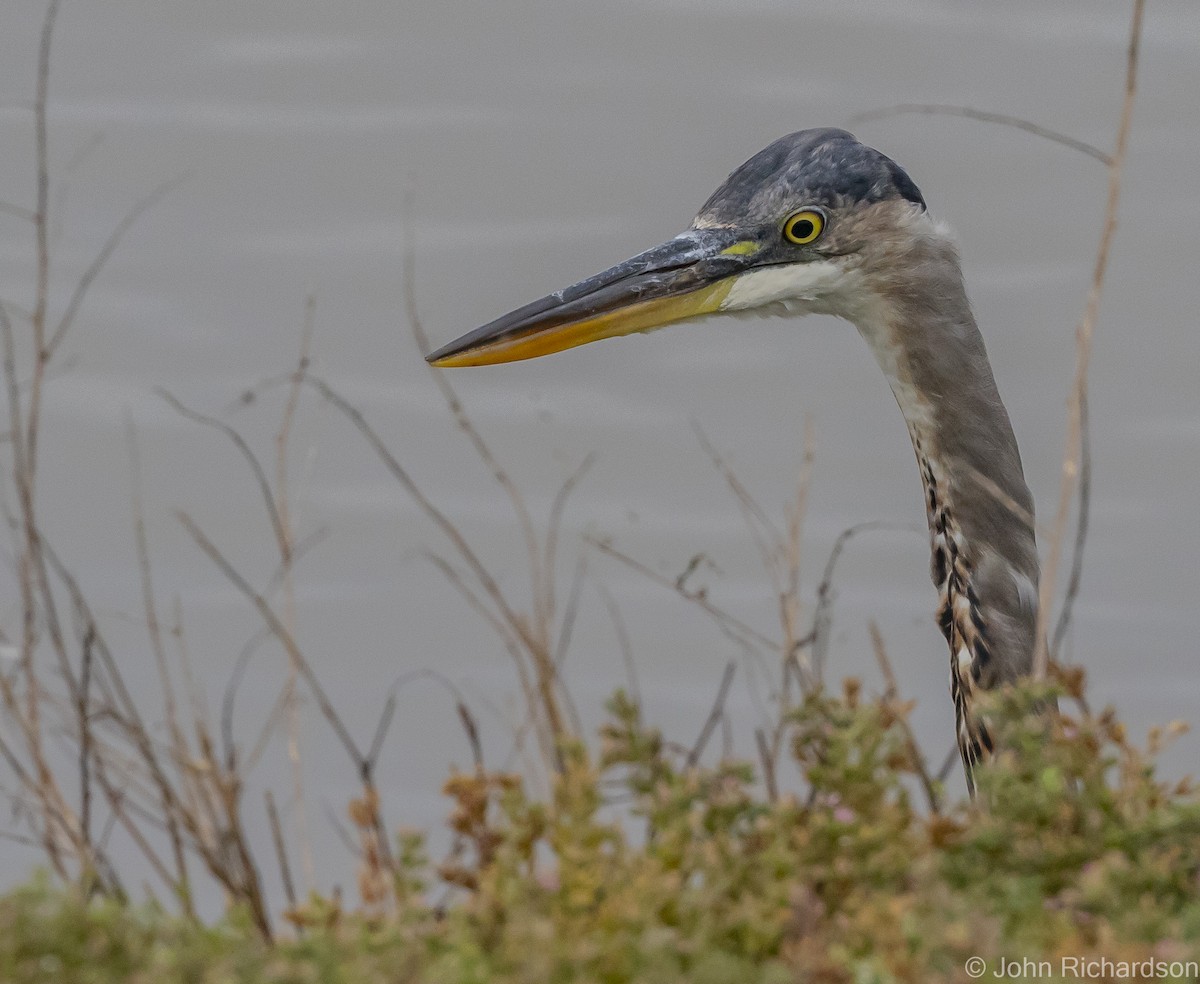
(1074, 849)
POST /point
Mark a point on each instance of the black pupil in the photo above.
(802, 229)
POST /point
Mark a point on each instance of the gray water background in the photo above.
(538, 142)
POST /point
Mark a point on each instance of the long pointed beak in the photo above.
(685, 277)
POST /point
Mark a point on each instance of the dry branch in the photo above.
(714, 716)
(940, 109)
(1083, 348)
(892, 693)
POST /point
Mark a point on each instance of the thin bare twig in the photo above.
(285, 869)
(85, 737)
(822, 614)
(102, 257)
(949, 761)
(120, 807)
(31, 573)
(938, 109)
(767, 757)
(624, 644)
(381, 728)
(440, 519)
(1083, 349)
(779, 552)
(1081, 527)
(570, 612)
(512, 642)
(714, 715)
(558, 658)
(340, 830)
(363, 762)
(540, 629)
(270, 721)
(279, 630)
(42, 233)
(462, 708)
(757, 520)
(892, 694)
(789, 590)
(540, 587)
(524, 637)
(256, 468)
(549, 560)
(229, 700)
(150, 608)
(286, 562)
(733, 627)
(471, 728)
(125, 710)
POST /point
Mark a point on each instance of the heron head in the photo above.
(813, 223)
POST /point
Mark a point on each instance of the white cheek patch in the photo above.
(797, 286)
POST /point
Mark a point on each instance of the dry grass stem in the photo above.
(1083, 349)
(1084, 507)
(287, 559)
(930, 787)
(715, 716)
(1003, 119)
(732, 627)
(102, 257)
(277, 838)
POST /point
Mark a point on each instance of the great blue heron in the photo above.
(819, 223)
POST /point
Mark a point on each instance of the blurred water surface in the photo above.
(538, 142)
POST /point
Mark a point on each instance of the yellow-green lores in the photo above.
(747, 247)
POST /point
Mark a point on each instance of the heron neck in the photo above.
(979, 507)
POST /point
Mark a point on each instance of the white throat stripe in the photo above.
(798, 282)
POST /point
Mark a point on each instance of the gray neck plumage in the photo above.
(980, 511)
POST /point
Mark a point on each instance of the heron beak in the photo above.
(686, 277)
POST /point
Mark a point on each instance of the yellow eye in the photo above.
(803, 227)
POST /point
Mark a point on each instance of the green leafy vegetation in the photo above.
(1074, 849)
